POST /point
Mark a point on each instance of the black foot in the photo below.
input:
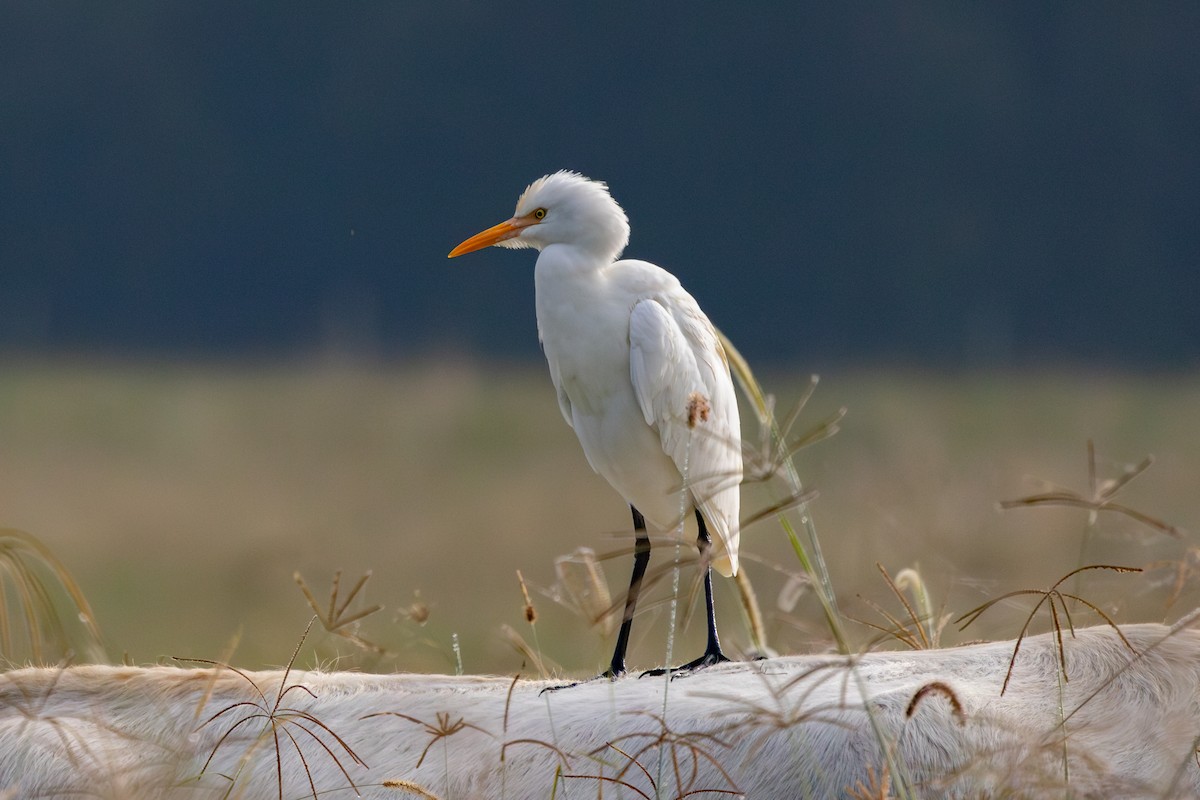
(608, 674)
(709, 659)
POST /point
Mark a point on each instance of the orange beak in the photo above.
(494, 235)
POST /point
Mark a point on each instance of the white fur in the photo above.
(790, 727)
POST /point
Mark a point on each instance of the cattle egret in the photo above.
(640, 374)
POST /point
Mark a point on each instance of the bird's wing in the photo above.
(685, 393)
(564, 402)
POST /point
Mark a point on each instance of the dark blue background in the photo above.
(943, 184)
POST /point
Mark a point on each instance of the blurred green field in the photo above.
(183, 498)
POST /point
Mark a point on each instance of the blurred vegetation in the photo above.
(185, 498)
(44, 617)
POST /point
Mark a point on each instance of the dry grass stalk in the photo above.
(1099, 497)
(278, 718)
(765, 458)
(334, 618)
(410, 788)
(686, 751)
(37, 580)
(1056, 598)
(581, 588)
(1183, 573)
(530, 611)
(877, 787)
(932, 688)
(444, 728)
(911, 632)
(530, 653)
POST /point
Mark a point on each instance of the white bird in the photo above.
(640, 373)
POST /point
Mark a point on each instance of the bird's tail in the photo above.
(725, 533)
(726, 564)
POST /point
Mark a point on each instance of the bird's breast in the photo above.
(585, 336)
(583, 322)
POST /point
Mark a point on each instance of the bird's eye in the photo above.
(539, 214)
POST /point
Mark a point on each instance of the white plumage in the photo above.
(640, 374)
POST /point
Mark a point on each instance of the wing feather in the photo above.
(564, 402)
(684, 390)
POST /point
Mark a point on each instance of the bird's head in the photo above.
(563, 208)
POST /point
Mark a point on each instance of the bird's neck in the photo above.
(564, 262)
(567, 281)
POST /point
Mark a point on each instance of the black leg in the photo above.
(712, 652)
(641, 557)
